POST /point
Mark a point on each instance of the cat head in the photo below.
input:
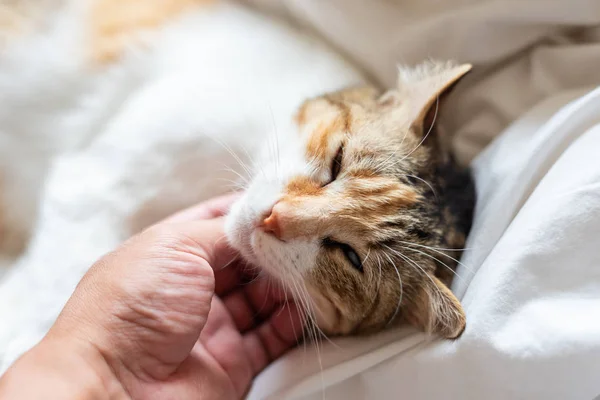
(358, 212)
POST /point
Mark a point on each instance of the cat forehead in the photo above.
(377, 141)
(354, 117)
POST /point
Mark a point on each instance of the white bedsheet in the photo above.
(530, 283)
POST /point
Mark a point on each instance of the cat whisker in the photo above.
(408, 259)
(266, 298)
(224, 236)
(300, 307)
(305, 298)
(305, 327)
(393, 317)
(304, 302)
(311, 323)
(427, 183)
(244, 179)
(234, 259)
(379, 265)
(438, 260)
(232, 184)
(384, 164)
(367, 256)
(437, 103)
(254, 280)
(440, 248)
(317, 329)
(232, 153)
(313, 312)
(276, 134)
(248, 157)
(272, 154)
(439, 252)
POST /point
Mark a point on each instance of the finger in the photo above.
(212, 208)
(242, 314)
(224, 342)
(207, 240)
(273, 338)
(253, 303)
(264, 293)
(228, 277)
(226, 261)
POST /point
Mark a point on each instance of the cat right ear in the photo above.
(420, 88)
(434, 309)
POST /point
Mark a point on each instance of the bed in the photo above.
(527, 120)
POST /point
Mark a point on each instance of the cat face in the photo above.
(356, 213)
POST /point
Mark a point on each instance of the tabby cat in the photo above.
(362, 213)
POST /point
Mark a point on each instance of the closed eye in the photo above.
(348, 251)
(336, 164)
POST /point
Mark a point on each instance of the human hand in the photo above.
(143, 322)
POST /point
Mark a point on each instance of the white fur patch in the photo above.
(284, 159)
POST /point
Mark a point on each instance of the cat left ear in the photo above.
(436, 310)
(422, 87)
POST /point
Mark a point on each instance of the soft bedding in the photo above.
(530, 279)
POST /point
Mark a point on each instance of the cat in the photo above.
(361, 213)
(117, 113)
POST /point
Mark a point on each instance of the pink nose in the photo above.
(271, 224)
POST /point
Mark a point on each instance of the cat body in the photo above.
(146, 76)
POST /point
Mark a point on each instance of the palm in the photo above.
(235, 344)
(180, 352)
(175, 315)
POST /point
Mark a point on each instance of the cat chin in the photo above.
(267, 254)
(328, 317)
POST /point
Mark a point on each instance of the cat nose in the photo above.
(271, 224)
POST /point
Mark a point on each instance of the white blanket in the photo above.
(530, 283)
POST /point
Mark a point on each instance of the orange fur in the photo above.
(302, 186)
(115, 24)
(10, 17)
(320, 139)
(311, 109)
(16, 18)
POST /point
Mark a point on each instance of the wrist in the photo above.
(67, 369)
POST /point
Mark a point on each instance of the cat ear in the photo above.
(436, 310)
(421, 88)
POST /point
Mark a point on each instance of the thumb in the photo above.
(145, 304)
(204, 238)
